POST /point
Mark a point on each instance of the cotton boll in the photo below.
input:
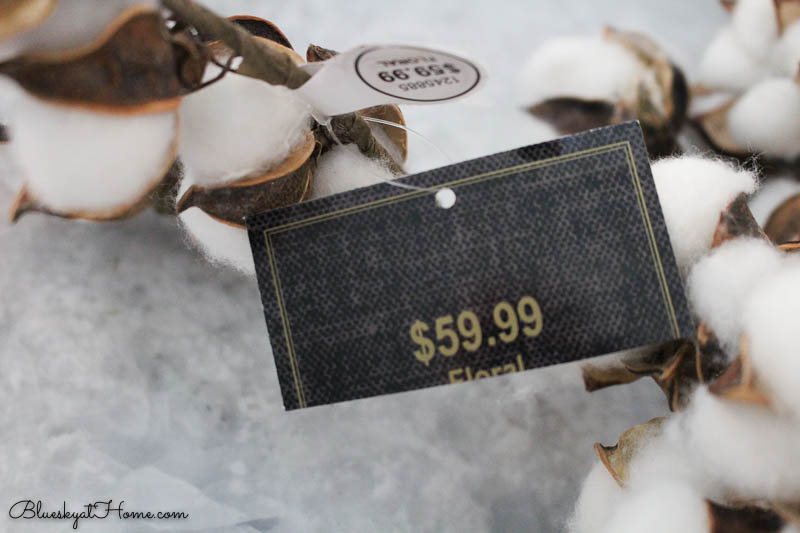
(597, 501)
(755, 25)
(786, 55)
(767, 118)
(72, 23)
(720, 284)
(220, 242)
(238, 126)
(727, 65)
(693, 192)
(583, 67)
(771, 318)
(344, 168)
(664, 507)
(77, 160)
(744, 449)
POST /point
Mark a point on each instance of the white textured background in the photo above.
(130, 369)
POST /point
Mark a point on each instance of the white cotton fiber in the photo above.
(746, 450)
(71, 24)
(767, 118)
(720, 284)
(664, 507)
(727, 65)
(665, 458)
(79, 160)
(771, 317)
(582, 67)
(693, 192)
(597, 501)
(755, 25)
(221, 243)
(344, 168)
(238, 126)
(786, 55)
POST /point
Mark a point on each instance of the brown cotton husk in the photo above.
(713, 126)
(4, 136)
(133, 67)
(394, 139)
(672, 365)
(647, 361)
(790, 247)
(287, 183)
(789, 512)
(710, 359)
(571, 115)
(17, 16)
(262, 28)
(743, 519)
(788, 12)
(737, 221)
(669, 111)
(596, 377)
(783, 225)
(617, 458)
(316, 53)
(397, 138)
(739, 383)
(165, 195)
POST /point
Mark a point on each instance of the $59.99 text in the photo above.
(465, 330)
(423, 71)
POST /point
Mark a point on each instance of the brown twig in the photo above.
(262, 62)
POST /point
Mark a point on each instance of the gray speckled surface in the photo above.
(132, 370)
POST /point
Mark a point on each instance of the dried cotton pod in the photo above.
(753, 63)
(95, 128)
(86, 164)
(132, 67)
(342, 168)
(693, 192)
(578, 84)
(617, 458)
(783, 225)
(249, 146)
(284, 184)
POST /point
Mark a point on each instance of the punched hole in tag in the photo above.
(444, 197)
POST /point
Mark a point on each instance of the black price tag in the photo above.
(552, 253)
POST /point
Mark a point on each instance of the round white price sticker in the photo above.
(416, 74)
(388, 74)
